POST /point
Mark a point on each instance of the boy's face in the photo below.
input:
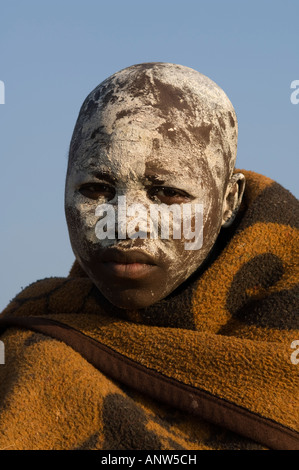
(137, 272)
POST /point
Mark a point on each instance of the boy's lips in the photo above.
(128, 264)
(127, 256)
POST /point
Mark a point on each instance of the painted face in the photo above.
(139, 143)
(136, 272)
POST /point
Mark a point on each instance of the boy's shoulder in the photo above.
(49, 295)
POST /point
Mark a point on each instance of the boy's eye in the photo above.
(97, 190)
(169, 195)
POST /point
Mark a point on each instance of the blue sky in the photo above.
(53, 53)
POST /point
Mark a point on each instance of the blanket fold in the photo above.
(209, 367)
(159, 387)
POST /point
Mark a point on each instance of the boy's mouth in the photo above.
(130, 264)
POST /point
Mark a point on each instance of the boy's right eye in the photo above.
(169, 195)
(97, 190)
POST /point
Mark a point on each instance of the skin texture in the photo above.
(156, 134)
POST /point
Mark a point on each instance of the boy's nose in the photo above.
(132, 211)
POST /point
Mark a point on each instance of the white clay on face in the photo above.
(174, 103)
(129, 173)
(164, 119)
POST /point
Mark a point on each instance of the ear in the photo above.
(232, 199)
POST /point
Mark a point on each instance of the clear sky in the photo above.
(53, 53)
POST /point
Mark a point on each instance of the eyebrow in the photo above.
(103, 175)
(153, 178)
(149, 175)
(155, 174)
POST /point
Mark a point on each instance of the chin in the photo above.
(130, 299)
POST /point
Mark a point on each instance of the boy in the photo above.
(200, 319)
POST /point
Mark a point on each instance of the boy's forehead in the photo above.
(167, 115)
(175, 115)
(135, 163)
(136, 150)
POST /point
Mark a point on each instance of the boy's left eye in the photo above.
(97, 190)
(169, 195)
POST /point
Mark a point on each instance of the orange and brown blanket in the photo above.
(209, 367)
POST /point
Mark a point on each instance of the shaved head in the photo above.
(178, 107)
(159, 134)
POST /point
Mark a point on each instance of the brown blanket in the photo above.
(210, 367)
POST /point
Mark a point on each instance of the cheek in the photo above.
(81, 221)
(188, 253)
(212, 201)
(180, 264)
(212, 221)
(179, 260)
